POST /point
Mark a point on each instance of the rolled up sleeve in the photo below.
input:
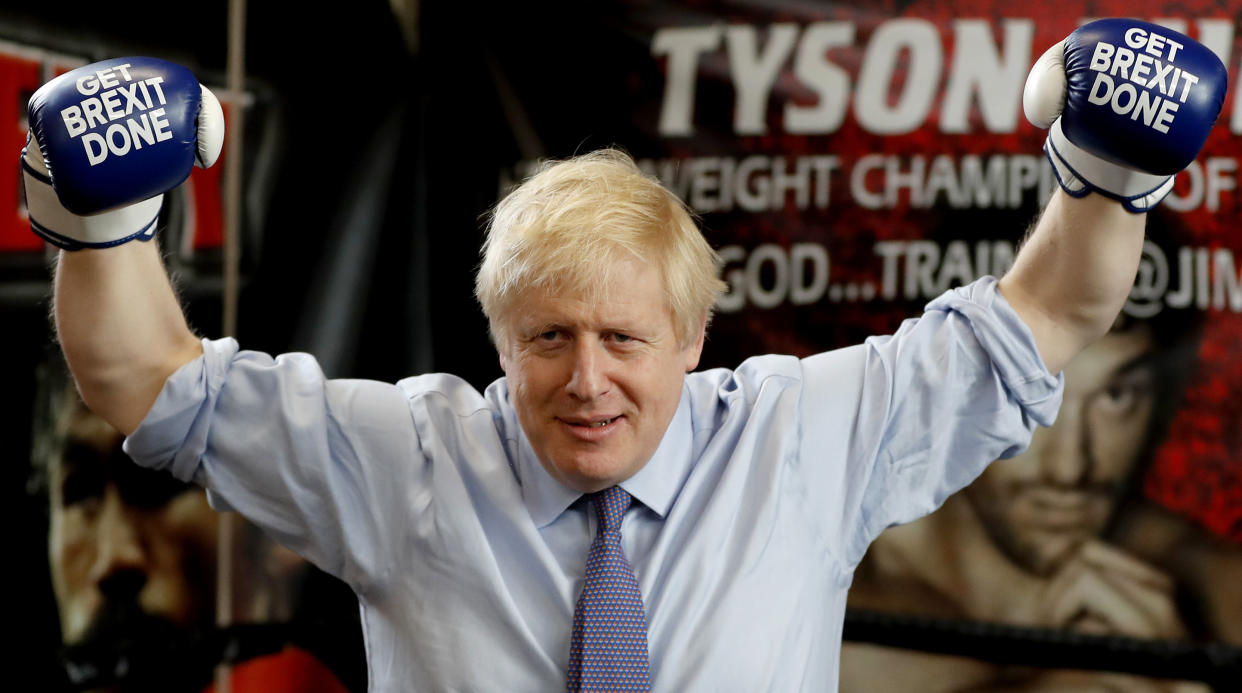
(308, 459)
(937, 401)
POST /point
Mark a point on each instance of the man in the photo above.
(730, 507)
(1028, 543)
(132, 556)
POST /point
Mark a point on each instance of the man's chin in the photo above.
(1045, 553)
(589, 483)
(591, 473)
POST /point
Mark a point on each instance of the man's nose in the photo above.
(588, 379)
(1064, 450)
(121, 559)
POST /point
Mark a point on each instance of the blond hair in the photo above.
(570, 226)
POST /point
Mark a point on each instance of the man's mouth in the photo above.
(1055, 510)
(595, 424)
(592, 426)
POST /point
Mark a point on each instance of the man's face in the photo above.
(595, 385)
(1040, 506)
(131, 551)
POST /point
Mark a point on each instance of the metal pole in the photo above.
(232, 259)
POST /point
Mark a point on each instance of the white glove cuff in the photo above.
(1081, 172)
(62, 228)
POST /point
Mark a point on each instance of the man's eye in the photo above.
(549, 336)
(1119, 396)
(80, 487)
(1122, 396)
(622, 338)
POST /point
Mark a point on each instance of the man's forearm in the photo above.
(121, 328)
(1073, 274)
(1072, 277)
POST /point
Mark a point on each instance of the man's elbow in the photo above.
(1062, 329)
(123, 393)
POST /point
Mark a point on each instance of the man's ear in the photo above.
(501, 348)
(695, 350)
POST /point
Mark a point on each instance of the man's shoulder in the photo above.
(447, 390)
(776, 374)
(753, 370)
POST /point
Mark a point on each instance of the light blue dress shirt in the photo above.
(467, 557)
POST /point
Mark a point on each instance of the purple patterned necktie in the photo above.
(609, 647)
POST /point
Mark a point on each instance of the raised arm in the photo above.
(114, 136)
(1074, 272)
(1129, 104)
(121, 328)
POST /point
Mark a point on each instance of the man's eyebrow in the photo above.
(534, 329)
(1148, 359)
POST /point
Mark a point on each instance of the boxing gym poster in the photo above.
(849, 161)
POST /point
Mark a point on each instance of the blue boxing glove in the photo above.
(1129, 103)
(106, 141)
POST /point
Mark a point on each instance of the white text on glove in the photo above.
(1140, 67)
(119, 101)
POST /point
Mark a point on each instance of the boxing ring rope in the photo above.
(1216, 664)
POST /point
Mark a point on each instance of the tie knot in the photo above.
(610, 505)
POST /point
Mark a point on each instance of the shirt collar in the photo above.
(655, 485)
